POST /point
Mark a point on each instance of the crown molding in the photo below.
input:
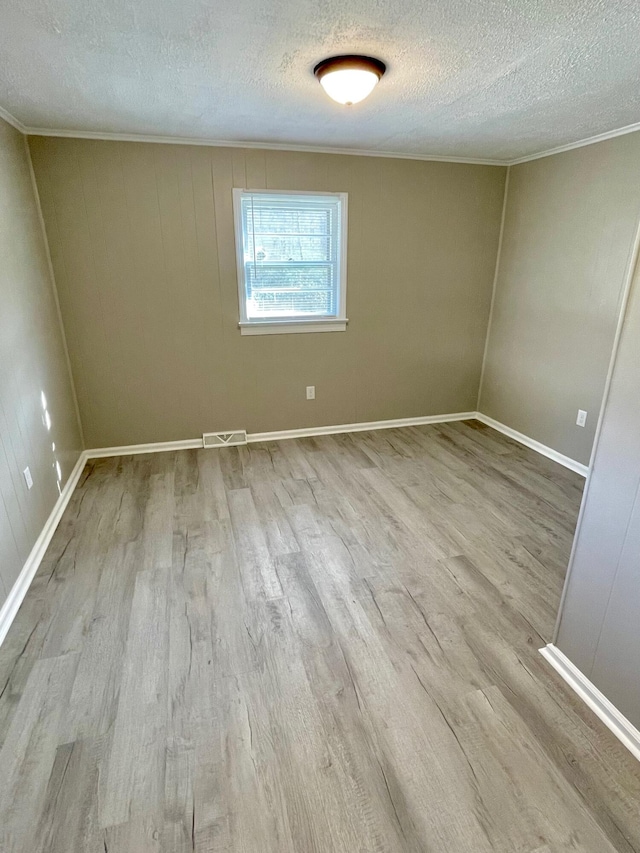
(263, 146)
(12, 120)
(581, 143)
(310, 149)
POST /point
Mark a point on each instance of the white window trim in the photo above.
(295, 324)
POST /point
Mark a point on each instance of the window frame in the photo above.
(272, 325)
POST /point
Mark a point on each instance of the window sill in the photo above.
(292, 327)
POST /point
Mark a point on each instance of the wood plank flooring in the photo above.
(326, 645)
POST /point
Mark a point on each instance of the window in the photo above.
(291, 250)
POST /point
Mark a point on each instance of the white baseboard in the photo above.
(365, 426)
(11, 605)
(280, 435)
(336, 429)
(625, 731)
(549, 452)
(133, 449)
(18, 591)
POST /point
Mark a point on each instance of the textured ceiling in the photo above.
(497, 79)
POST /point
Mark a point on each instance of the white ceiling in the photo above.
(494, 79)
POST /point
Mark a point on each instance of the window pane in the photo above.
(291, 248)
(291, 255)
(289, 289)
(288, 276)
(287, 220)
(313, 303)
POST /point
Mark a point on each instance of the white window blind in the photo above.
(290, 256)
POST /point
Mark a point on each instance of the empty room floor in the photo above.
(328, 644)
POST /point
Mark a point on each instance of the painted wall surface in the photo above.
(33, 368)
(600, 621)
(142, 242)
(570, 224)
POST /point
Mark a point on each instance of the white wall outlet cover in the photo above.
(311, 392)
(581, 420)
(27, 477)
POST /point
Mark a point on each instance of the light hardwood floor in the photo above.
(324, 645)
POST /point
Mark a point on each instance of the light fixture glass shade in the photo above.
(349, 79)
(350, 85)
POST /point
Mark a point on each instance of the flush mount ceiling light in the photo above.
(349, 79)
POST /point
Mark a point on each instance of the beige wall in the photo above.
(32, 361)
(600, 620)
(142, 243)
(570, 224)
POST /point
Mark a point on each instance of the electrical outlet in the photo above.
(311, 392)
(581, 420)
(27, 477)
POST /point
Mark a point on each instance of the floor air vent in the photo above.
(224, 439)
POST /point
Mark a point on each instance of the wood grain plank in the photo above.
(317, 646)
